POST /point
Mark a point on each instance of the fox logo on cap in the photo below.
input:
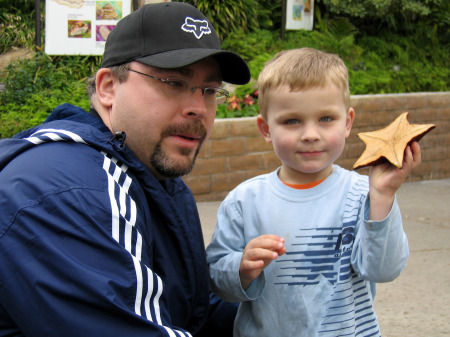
(197, 27)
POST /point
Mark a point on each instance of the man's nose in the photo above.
(198, 107)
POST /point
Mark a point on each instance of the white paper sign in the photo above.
(300, 14)
(78, 27)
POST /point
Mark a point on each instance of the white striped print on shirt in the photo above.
(149, 286)
(55, 135)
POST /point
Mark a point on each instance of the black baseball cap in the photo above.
(171, 35)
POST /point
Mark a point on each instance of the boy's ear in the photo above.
(105, 87)
(349, 122)
(263, 128)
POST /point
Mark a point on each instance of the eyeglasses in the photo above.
(174, 86)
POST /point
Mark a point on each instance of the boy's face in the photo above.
(308, 129)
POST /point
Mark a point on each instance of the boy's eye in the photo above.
(326, 119)
(291, 121)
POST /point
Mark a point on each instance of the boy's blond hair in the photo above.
(300, 69)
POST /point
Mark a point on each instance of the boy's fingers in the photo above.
(416, 153)
(272, 242)
(261, 254)
(269, 237)
(413, 156)
(248, 265)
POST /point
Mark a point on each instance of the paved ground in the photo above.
(417, 304)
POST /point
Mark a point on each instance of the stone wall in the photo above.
(236, 151)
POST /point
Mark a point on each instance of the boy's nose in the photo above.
(310, 133)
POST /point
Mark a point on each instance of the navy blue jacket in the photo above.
(91, 243)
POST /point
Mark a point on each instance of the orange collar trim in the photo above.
(304, 186)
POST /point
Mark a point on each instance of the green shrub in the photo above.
(47, 76)
(18, 119)
(250, 45)
(393, 16)
(34, 87)
(29, 76)
(16, 30)
(36, 107)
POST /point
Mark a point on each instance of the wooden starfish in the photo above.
(389, 144)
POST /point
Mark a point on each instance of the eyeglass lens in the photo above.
(175, 86)
(179, 86)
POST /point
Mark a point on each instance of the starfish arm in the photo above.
(390, 142)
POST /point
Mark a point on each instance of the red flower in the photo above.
(249, 100)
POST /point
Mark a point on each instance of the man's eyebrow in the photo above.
(214, 78)
(189, 73)
(182, 71)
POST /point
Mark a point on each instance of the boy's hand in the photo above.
(385, 179)
(257, 255)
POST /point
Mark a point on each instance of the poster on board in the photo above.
(299, 14)
(81, 27)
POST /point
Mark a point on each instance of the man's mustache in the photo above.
(193, 127)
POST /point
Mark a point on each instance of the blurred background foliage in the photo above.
(389, 46)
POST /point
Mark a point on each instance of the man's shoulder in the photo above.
(57, 155)
(53, 166)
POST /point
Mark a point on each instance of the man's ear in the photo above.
(105, 87)
(263, 128)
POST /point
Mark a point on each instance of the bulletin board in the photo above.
(80, 27)
(300, 14)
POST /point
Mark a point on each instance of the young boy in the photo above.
(302, 247)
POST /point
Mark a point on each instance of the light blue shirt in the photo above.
(325, 283)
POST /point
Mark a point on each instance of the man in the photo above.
(98, 234)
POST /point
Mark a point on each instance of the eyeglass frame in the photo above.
(225, 96)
